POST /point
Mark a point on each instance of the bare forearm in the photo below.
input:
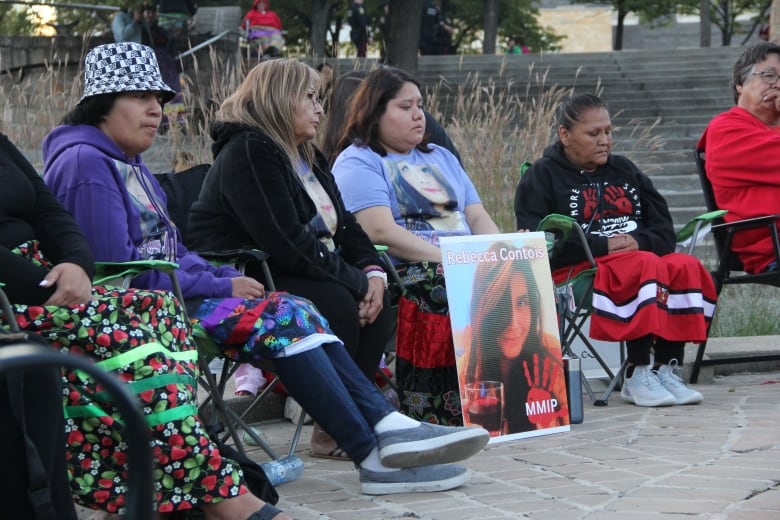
(407, 246)
(479, 221)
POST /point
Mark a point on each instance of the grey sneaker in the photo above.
(422, 479)
(644, 389)
(667, 375)
(430, 444)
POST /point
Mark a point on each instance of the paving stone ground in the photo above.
(719, 460)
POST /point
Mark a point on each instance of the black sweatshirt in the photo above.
(252, 197)
(28, 210)
(616, 198)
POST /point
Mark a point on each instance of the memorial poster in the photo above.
(505, 332)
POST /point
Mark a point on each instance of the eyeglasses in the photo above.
(315, 100)
(768, 77)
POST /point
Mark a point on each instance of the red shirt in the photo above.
(268, 18)
(743, 165)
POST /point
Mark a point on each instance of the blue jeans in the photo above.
(330, 387)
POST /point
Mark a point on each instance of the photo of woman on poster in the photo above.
(507, 343)
(423, 191)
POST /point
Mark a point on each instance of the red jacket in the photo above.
(743, 165)
(268, 18)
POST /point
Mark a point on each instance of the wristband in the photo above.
(377, 274)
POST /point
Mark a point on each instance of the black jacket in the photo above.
(28, 211)
(252, 197)
(616, 198)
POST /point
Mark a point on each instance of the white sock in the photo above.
(374, 463)
(395, 421)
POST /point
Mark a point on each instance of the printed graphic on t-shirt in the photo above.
(606, 209)
(158, 242)
(323, 225)
(426, 200)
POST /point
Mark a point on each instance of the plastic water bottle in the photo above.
(250, 441)
(284, 469)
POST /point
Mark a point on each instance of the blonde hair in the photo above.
(268, 99)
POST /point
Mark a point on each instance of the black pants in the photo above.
(364, 344)
(41, 390)
(638, 351)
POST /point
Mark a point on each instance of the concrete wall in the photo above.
(586, 29)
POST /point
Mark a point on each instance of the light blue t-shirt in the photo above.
(426, 192)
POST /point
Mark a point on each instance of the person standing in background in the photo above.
(516, 45)
(435, 32)
(358, 22)
(126, 25)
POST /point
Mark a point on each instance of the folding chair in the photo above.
(729, 269)
(573, 300)
(182, 190)
(28, 355)
(574, 296)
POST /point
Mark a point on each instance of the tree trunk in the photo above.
(491, 27)
(404, 39)
(774, 21)
(728, 27)
(705, 24)
(621, 19)
(320, 16)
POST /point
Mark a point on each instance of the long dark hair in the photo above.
(369, 104)
(491, 297)
(338, 106)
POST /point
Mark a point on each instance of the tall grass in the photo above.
(495, 129)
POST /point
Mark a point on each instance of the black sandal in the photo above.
(267, 512)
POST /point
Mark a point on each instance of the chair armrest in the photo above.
(696, 229)
(239, 258)
(747, 223)
(389, 268)
(108, 271)
(557, 229)
(235, 256)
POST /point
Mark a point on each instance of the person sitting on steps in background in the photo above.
(263, 29)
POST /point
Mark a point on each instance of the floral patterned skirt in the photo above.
(425, 364)
(142, 337)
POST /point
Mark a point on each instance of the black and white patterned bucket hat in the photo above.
(123, 67)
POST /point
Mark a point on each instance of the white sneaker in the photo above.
(292, 411)
(644, 389)
(667, 375)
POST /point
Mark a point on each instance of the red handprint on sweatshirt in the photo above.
(543, 406)
(591, 199)
(617, 201)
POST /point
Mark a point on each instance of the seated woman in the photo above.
(270, 188)
(644, 293)
(85, 164)
(406, 193)
(742, 146)
(339, 99)
(31, 400)
(45, 264)
(263, 29)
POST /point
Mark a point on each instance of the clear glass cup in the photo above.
(485, 405)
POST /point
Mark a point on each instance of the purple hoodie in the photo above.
(80, 168)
